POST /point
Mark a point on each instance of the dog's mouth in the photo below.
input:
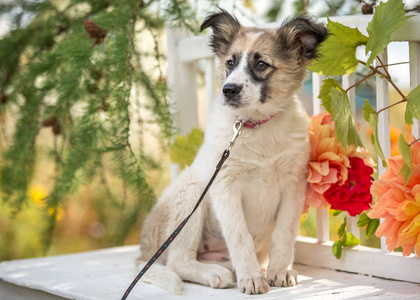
(233, 103)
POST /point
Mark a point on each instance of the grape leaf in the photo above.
(413, 106)
(184, 149)
(388, 17)
(338, 51)
(342, 230)
(324, 93)
(335, 212)
(372, 118)
(342, 115)
(405, 151)
(363, 220)
(349, 240)
(337, 249)
(371, 227)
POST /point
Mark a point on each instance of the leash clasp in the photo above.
(236, 132)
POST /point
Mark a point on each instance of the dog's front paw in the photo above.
(254, 285)
(219, 277)
(282, 278)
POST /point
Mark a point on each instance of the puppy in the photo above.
(252, 211)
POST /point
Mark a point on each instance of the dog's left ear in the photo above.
(302, 36)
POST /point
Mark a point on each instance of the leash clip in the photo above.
(236, 132)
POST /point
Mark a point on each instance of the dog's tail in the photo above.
(162, 277)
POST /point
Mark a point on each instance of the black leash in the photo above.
(237, 131)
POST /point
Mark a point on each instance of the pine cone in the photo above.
(367, 9)
(54, 123)
(94, 31)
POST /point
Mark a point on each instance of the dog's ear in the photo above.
(302, 36)
(225, 27)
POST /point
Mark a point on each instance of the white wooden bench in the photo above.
(105, 274)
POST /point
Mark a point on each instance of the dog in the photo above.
(251, 213)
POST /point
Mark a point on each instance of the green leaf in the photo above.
(324, 93)
(337, 249)
(363, 220)
(405, 151)
(184, 149)
(342, 115)
(388, 18)
(338, 51)
(335, 212)
(349, 240)
(372, 118)
(413, 106)
(371, 227)
(342, 229)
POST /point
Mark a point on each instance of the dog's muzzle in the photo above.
(232, 92)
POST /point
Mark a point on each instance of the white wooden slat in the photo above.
(359, 259)
(348, 81)
(182, 88)
(316, 86)
(382, 100)
(194, 48)
(210, 82)
(182, 83)
(322, 217)
(322, 225)
(414, 48)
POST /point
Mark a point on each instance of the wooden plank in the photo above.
(210, 82)
(316, 86)
(359, 259)
(194, 48)
(382, 100)
(414, 48)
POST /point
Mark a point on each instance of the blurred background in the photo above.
(85, 120)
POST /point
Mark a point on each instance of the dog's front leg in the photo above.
(228, 208)
(182, 255)
(279, 271)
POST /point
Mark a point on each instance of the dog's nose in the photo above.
(231, 90)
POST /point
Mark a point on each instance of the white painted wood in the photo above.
(359, 259)
(194, 48)
(181, 83)
(322, 225)
(348, 81)
(414, 48)
(322, 217)
(105, 275)
(382, 100)
(316, 86)
(210, 82)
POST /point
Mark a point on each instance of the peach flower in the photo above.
(399, 205)
(329, 161)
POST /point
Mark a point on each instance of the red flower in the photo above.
(354, 195)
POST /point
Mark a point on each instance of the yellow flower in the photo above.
(57, 211)
(37, 193)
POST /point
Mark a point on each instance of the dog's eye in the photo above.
(261, 65)
(230, 64)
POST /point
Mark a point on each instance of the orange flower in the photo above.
(399, 205)
(328, 161)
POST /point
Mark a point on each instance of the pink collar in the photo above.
(255, 124)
